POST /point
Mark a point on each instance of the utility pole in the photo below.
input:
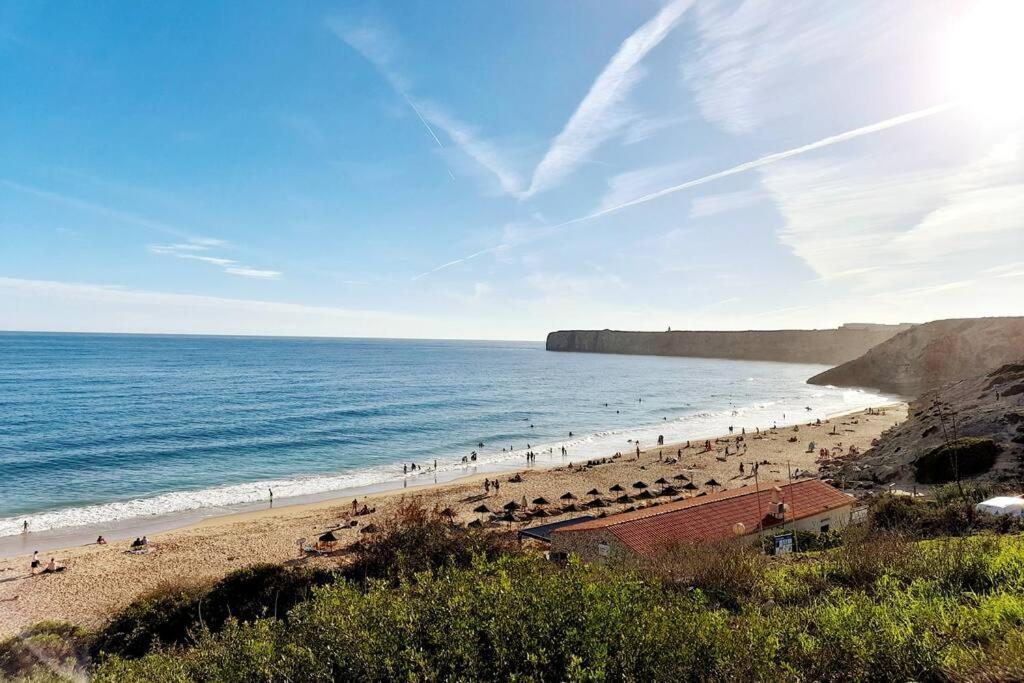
(792, 507)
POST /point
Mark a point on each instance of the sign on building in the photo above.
(784, 543)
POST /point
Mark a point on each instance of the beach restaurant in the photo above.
(747, 512)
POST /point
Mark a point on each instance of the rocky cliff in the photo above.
(927, 356)
(830, 347)
(985, 409)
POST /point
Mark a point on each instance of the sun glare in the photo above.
(985, 59)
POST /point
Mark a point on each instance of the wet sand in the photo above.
(101, 579)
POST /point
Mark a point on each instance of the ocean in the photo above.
(98, 429)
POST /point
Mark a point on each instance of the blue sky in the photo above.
(499, 170)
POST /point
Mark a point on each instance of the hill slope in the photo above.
(927, 356)
(988, 407)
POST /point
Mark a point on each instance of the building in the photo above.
(1002, 505)
(808, 505)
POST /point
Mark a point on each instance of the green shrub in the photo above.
(46, 651)
(164, 616)
(960, 458)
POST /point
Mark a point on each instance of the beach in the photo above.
(101, 579)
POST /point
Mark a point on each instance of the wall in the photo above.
(828, 347)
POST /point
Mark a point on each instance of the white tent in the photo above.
(1002, 505)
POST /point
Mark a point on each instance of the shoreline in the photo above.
(66, 538)
(101, 579)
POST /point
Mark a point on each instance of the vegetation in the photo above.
(955, 460)
(879, 603)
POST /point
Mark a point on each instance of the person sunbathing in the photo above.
(53, 567)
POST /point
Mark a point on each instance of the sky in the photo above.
(498, 170)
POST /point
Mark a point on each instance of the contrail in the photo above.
(741, 168)
(425, 125)
(452, 263)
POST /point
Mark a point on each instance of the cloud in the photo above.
(625, 187)
(379, 47)
(601, 114)
(882, 228)
(194, 249)
(752, 59)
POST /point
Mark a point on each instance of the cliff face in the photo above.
(829, 347)
(930, 355)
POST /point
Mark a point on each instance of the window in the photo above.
(826, 525)
(603, 549)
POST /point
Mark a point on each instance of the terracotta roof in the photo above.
(712, 517)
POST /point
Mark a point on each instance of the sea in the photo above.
(102, 430)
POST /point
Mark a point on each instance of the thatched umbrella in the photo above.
(639, 485)
(623, 499)
(482, 509)
(507, 517)
(511, 506)
(646, 495)
(370, 528)
(540, 513)
(449, 513)
(541, 501)
(617, 488)
(571, 507)
(597, 503)
(711, 482)
(661, 481)
(690, 486)
(681, 477)
(669, 491)
(475, 524)
(329, 538)
(593, 492)
(568, 495)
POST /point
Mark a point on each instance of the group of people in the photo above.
(488, 485)
(51, 568)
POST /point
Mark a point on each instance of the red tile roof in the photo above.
(712, 517)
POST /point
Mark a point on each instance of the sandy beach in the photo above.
(103, 578)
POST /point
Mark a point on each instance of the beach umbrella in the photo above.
(511, 505)
(602, 515)
(449, 513)
(593, 492)
(711, 482)
(568, 495)
(690, 486)
(681, 477)
(617, 488)
(645, 495)
(639, 485)
(630, 508)
(540, 513)
(329, 537)
(597, 503)
(369, 529)
(475, 524)
(623, 499)
(662, 481)
(541, 501)
(669, 491)
(482, 509)
(508, 517)
(571, 507)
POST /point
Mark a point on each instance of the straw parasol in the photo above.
(540, 513)
(669, 491)
(690, 486)
(482, 509)
(639, 485)
(711, 482)
(623, 499)
(329, 537)
(541, 501)
(568, 495)
(681, 477)
(511, 506)
(617, 488)
(593, 492)
(475, 524)
(370, 528)
(646, 495)
(597, 503)
(449, 513)
(571, 507)
(661, 481)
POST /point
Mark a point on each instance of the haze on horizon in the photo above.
(499, 170)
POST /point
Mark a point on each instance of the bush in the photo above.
(47, 651)
(960, 458)
(166, 615)
(727, 572)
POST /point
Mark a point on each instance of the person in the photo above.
(35, 561)
(487, 486)
(637, 450)
(137, 543)
(145, 541)
(355, 505)
(496, 486)
(271, 492)
(405, 468)
(24, 527)
(741, 468)
(53, 567)
(101, 540)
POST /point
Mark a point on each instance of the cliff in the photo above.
(927, 356)
(829, 347)
(985, 408)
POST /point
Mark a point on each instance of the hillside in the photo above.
(829, 347)
(933, 354)
(986, 416)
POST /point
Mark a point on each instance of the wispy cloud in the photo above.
(760, 162)
(378, 46)
(196, 248)
(714, 204)
(625, 187)
(601, 114)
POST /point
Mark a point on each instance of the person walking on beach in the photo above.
(487, 486)
(35, 562)
(24, 527)
(271, 492)
(355, 505)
